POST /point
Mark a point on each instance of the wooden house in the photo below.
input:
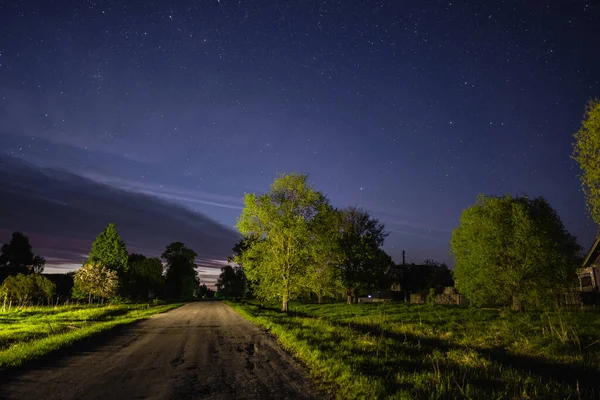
(589, 273)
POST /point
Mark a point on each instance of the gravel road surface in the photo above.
(202, 350)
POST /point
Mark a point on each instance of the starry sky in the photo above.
(408, 109)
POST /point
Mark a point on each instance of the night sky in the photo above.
(408, 109)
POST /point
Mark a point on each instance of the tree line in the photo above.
(109, 272)
(507, 249)
(296, 245)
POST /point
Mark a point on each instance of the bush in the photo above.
(27, 289)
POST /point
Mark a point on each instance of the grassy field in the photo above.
(32, 332)
(410, 351)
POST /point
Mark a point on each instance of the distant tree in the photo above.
(507, 248)
(17, 257)
(420, 278)
(361, 262)
(181, 278)
(26, 290)
(95, 280)
(109, 250)
(144, 277)
(204, 292)
(281, 227)
(231, 282)
(587, 154)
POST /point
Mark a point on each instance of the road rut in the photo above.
(202, 350)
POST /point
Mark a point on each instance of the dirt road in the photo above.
(202, 350)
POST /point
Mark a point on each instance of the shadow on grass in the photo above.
(61, 357)
(407, 353)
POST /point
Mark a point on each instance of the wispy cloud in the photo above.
(171, 193)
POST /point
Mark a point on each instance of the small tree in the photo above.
(587, 154)
(97, 280)
(509, 247)
(281, 226)
(109, 250)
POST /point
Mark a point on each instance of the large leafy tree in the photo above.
(95, 280)
(281, 226)
(508, 248)
(361, 262)
(17, 257)
(587, 154)
(181, 278)
(109, 250)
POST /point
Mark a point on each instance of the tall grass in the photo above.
(410, 351)
(29, 333)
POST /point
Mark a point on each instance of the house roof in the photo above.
(593, 254)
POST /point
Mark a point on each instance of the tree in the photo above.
(281, 227)
(181, 277)
(204, 292)
(17, 257)
(231, 282)
(509, 248)
(587, 154)
(420, 278)
(361, 262)
(322, 277)
(95, 279)
(109, 250)
(144, 277)
(26, 289)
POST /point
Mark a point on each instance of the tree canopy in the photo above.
(17, 257)
(144, 277)
(181, 278)
(109, 250)
(513, 247)
(281, 226)
(360, 260)
(231, 282)
(587, 154)
(96, 280)
(26, 289)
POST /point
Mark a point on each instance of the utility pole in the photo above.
(403, 257)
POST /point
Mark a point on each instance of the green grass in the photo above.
(29, 333)
(410, 351)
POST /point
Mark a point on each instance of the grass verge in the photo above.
(31, 333)
(407, 351)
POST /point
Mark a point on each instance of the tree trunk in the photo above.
(349, 296)
(319, 298)
(286, 296)
(89, 298)
(284, 303)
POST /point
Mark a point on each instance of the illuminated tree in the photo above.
(109, 250)
(587, 154)
(281, 226)
(509, 248)
(95, 279)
